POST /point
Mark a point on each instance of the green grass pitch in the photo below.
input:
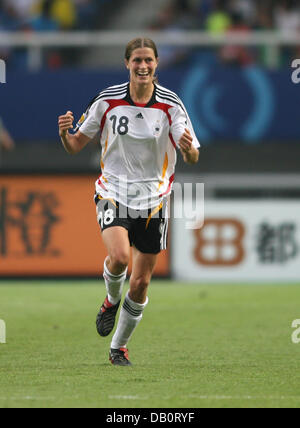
(197, 346)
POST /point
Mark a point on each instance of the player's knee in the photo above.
(119, 259)
(140, 284)
(139, 289)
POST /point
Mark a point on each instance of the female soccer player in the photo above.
(141, 124)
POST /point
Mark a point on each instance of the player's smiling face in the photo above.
(142, 65)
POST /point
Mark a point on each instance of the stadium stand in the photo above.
(227, 16)
(213, 16)
(50, 16)
(143, 13)
(83, 72)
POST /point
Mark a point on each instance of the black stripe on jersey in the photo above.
(104, 97)
(169, 96)
(169, 93)
(172, 95)
(116, 87)
(173, 100)
(112, 91)
(109, 94)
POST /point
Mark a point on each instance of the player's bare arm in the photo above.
(73, 144)
(6, 140)
(189, 152)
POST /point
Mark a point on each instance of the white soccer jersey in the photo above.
(138, 143)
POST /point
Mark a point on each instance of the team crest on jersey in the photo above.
(81, 120)
(156, 129)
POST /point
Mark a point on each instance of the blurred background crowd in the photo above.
(212, 16)
(241, 99)
(49, 15)
(223, 15)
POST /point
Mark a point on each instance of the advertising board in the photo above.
(48, 227)
(244, 240)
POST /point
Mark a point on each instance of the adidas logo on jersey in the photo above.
(139, 116)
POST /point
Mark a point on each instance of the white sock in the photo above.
(131, 315)
(114, 285)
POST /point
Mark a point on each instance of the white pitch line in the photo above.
(136, 397)
(127, 397)
(208, 397)
(27, 398)
(241, 397)
(32, 397)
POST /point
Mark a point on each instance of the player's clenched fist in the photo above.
(65, 122)
(185, 142)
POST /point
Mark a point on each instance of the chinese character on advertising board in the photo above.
(32, 215)
(277, 244)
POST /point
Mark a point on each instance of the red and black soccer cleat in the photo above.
(106, 318)
(119, 357)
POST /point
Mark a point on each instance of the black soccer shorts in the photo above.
(147, 229)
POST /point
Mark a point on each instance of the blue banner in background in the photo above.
(249, 105)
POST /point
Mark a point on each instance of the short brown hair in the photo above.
(140, 42)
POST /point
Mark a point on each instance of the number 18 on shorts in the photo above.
(147, 229)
